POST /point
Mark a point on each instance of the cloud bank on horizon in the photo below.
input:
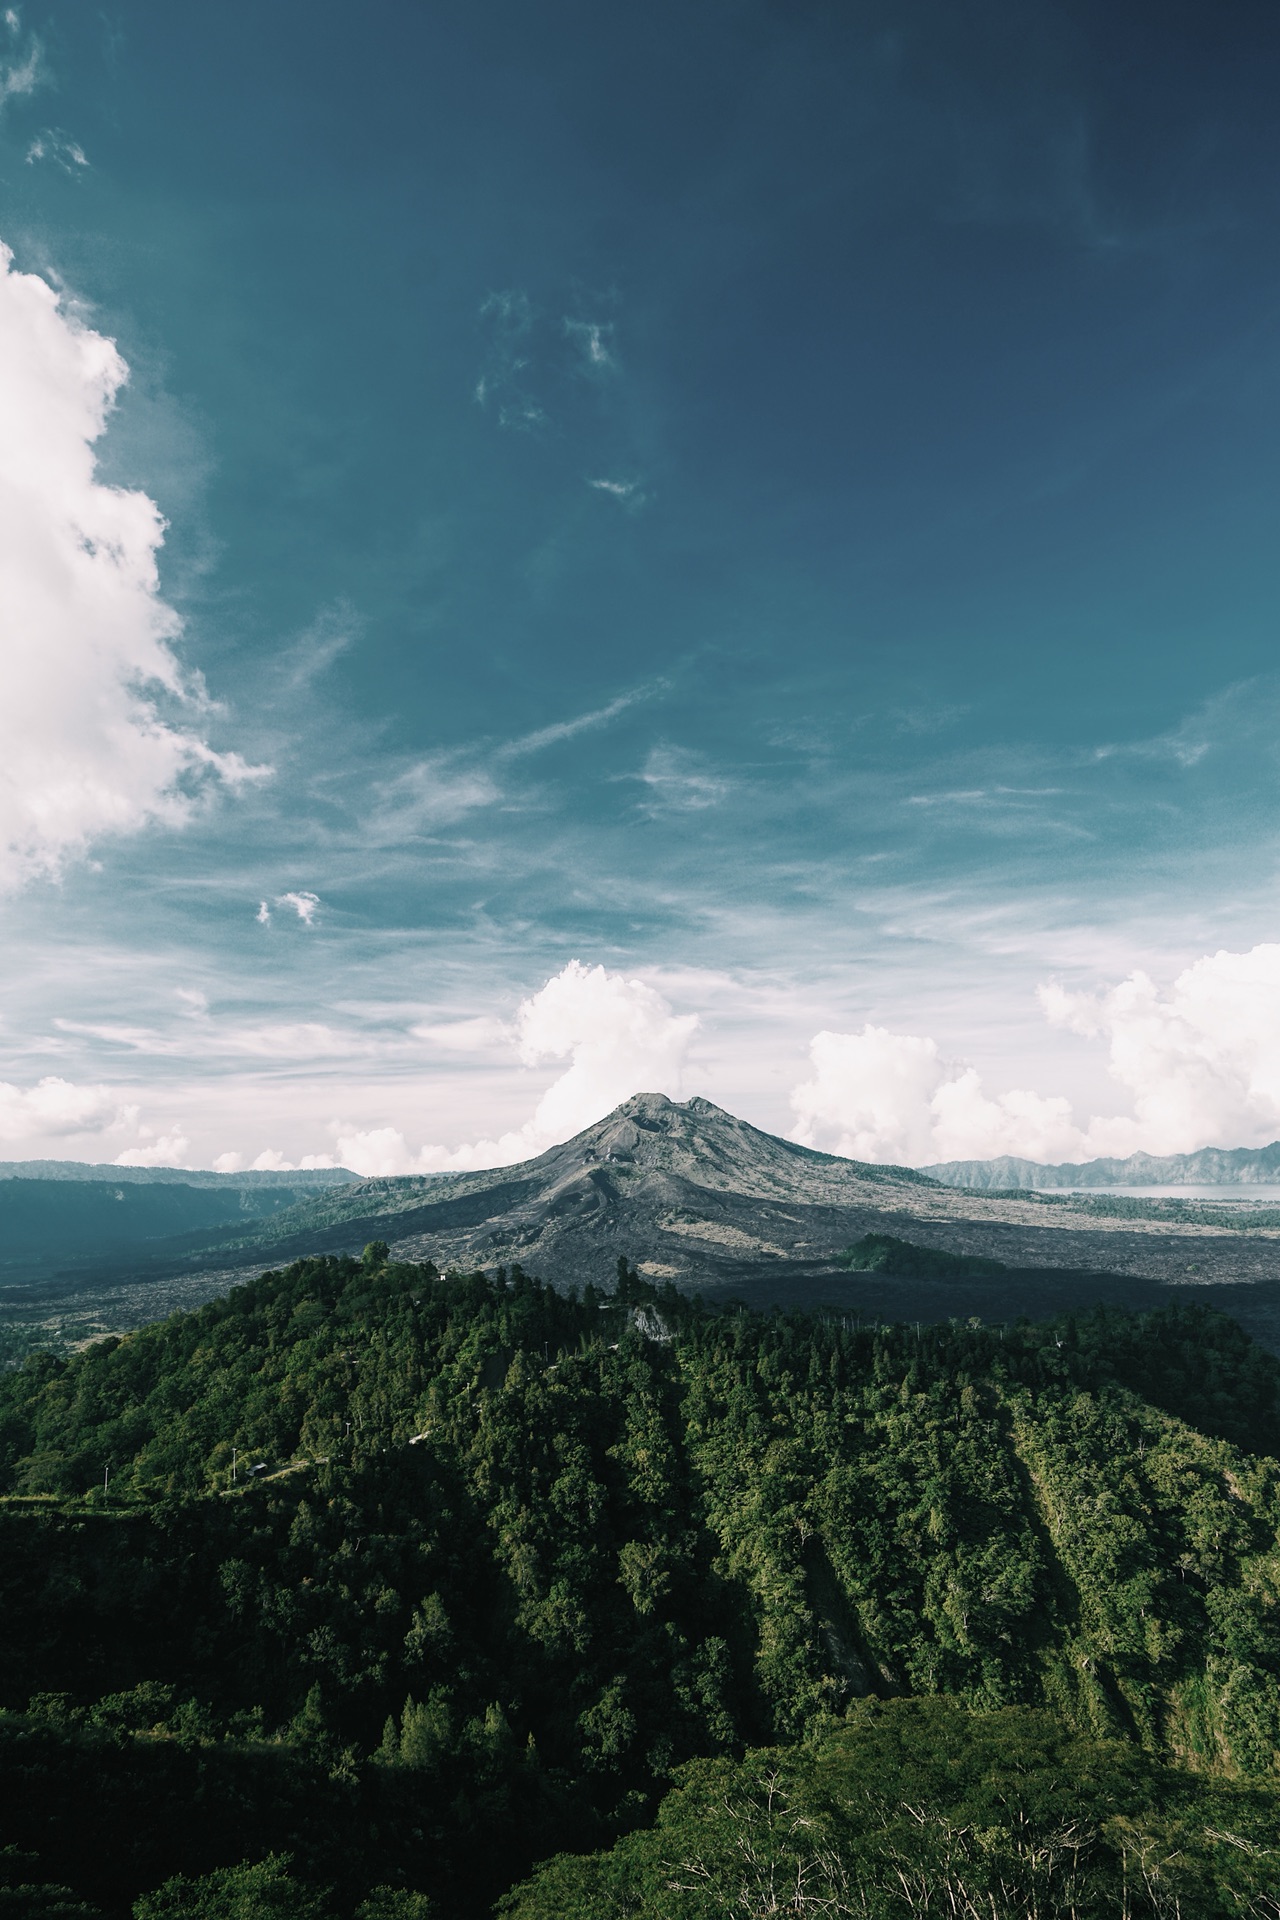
(1199, 1065)
(619, 1036)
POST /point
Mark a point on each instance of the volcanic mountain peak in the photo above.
(682, 1186)
(650, 1134)
(680, 1183)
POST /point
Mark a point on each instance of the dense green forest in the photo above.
(365, 1586)
(920, 1807)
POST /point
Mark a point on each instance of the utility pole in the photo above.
(106, 1475)
(233, 1465)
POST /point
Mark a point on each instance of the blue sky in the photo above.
(773, 504)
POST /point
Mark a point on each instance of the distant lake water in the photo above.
(1240, 1195)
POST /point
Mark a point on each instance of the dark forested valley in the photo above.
(371, 1591)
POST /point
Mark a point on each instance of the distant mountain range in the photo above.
(57, 1216)
(108, 1173)
(1210, 1167)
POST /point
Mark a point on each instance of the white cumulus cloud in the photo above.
(158, 1150)
(1199, 1063)
(87, 661)
(55, 1108)
(57, 1119)
(619, 1037)
(304, 904)
(378, 1152)
(270, 1160)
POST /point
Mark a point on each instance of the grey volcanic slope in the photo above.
(691, 1194)
(1210, 1167)
(655, 1176)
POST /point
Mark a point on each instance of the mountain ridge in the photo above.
(110, 1170)
(1207, 1167)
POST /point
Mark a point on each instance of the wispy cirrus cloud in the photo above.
(441, 789)
(528, 357)
(925, 717)
(677, 780)
(434, 792)
(594, 342)
(59, 149)
(219, 1037)
(628, 493)
(22, 65)
(1233, 717)
(476, 1035)
(561, 730)
(507, 319)
(331, 634)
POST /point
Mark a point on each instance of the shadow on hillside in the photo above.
(1032, 1293)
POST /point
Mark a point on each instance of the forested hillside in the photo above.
(64, 1225)
(419, 1579)
(921, 1807)
(64, 1221)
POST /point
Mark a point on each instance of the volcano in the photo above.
(692, 1195)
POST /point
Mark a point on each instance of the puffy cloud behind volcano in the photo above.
(619, 1037)
(1200, 1064)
